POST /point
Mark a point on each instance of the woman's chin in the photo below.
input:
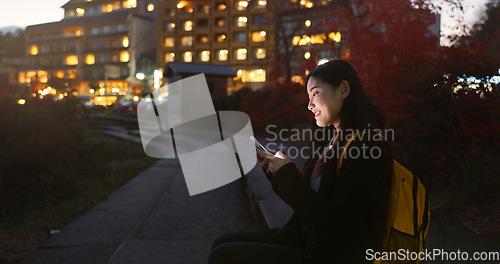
(320, 124)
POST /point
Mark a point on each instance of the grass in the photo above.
(109, 166)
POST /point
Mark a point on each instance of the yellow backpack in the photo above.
(408, 216)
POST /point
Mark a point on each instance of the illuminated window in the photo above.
(220, 22)
(130, 4)
(188, 56)
(335, 36)
(72, 60)
(187, 41)
(259, 36)
(90, 59)
(242, 5)
(257, 75)
(107, 8)
(221, 6)
(34, 50)
(169, 42)
(125, 42)
(80, 11)
(220, 37)
(169, 27)
(306, 3)
(223, 54)
(260, 53)
(151, 7)
(203, 39)
(60, 74)
(188, 25)
(181, 4)
(241, 21)
(124, 56)
(205, 55)
(43, 78)
(241, 54)
(169, 56)
(261, 4)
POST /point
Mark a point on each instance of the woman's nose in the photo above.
(310, 106)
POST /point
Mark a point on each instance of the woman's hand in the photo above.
(272, 163)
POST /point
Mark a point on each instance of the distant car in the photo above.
(126, 107)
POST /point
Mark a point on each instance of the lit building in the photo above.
(237, 33)
(96, 49)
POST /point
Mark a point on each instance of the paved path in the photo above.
(152, 219)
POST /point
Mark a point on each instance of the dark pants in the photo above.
(279, 245)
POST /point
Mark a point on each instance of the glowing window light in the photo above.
(80, 11)
(151, 7)
(181, 4)
(21, 101)
(188, 56)
(34, 50)
(124, 56)
(307, 55)
(188, 25)
(72, 60)
(241, 54)
(60, 74)
(221, 7)
(260, 54)
(335, 36)
(242, 5)
(307, 23)
(169, 57)
(259, 36)
(221, 38)
(242, 21)
(223, 54)
(169, 42)
(125, 42)
(205, 55)
(262, 3)
(130, 4)
(90, 59)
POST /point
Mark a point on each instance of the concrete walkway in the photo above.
(152, 219)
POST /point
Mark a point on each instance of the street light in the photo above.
(140, 76)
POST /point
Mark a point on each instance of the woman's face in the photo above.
(325, 102)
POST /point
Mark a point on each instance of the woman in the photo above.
(337, 216)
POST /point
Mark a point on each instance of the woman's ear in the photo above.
(346, 89)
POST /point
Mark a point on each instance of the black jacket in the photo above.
(347, 215)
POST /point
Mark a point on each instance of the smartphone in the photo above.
(259, 146)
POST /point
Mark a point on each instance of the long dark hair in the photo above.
(357, 113)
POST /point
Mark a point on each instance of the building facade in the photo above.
(237, 33)
(96, 49)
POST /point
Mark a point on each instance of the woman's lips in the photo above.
(316, 114)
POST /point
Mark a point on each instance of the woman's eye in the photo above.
(316, 93)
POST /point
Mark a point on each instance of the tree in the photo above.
(412, 79)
